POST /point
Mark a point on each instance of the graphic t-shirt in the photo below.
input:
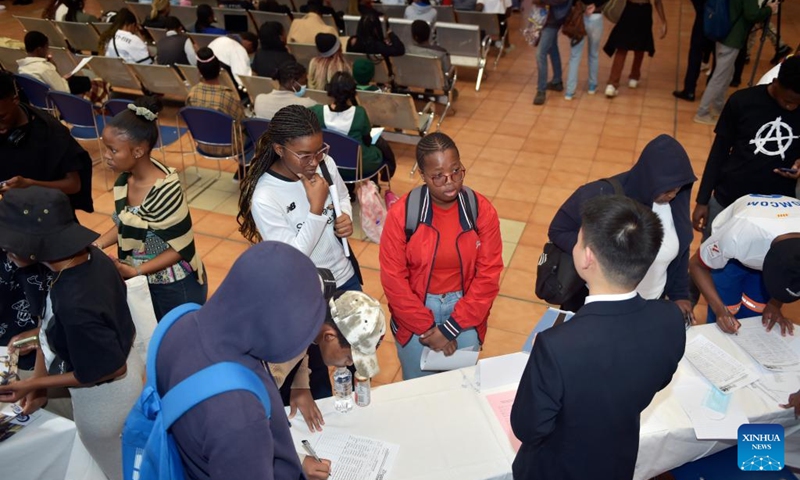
(22, 295)
(745, 230)
(764, 137)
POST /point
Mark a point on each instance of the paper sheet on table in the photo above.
(719, 367)
(437, 361)
(375, 133)
(79, 67)
(501, 371)
(551, 318)
(355, 458)
(708, 424)
(3, 359)
(12, 421)
(767, 348)
(501, 404)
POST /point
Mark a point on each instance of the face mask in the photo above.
(300, 92)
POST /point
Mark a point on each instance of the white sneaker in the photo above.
(611, 91)
(633, 83)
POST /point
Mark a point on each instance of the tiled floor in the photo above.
(527, 159)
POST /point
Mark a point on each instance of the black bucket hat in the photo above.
(38, 224)
(781, 271)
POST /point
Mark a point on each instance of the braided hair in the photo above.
(294, 121)
(432, 143)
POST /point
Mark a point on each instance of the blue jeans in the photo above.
(442, 306)
(167, 296)
(351, 284)
(594, 33)
(548, 46)
(741, 289)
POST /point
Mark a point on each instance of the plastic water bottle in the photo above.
(343, 390)
(363, 395)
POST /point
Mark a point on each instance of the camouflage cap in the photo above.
(360, 319)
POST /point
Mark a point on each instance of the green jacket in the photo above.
(371, 157)
(744, 14)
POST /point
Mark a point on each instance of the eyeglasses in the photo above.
(306, 158)
(456, 176)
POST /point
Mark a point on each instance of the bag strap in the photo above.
(158, 334)
(209, 382)
(618, 190)
(418, 200)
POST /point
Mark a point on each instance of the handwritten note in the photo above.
(501, 404)
(355, 458)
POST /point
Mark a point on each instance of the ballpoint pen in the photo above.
(311, 451)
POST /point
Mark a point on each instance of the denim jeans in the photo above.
(351, 284)
(548, 47)
(442, 306)
(167, 296)
(594, 33)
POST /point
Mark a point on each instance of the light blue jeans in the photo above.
(548, 47)
(594, 33)
(442, 306)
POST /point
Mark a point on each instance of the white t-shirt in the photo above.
(61, 12)
(128, 47)
(281, 212)
(745, 230)
(233, 54)
(495, 6)
(655, 280)
(339, 121)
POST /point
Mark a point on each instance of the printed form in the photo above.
(714, 363)
(767, 348)
(356, 458)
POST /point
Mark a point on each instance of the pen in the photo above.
(311, 451)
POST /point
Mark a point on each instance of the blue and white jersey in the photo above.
(745, 230)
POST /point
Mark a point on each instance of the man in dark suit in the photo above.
(587, 381)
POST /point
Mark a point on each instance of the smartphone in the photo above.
(784, 170)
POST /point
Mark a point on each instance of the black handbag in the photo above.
(556, 278)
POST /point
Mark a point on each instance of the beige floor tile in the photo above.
(511, 230)
(518, 284)
(500, 342)
(508, 252)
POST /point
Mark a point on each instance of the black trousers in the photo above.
(700, 48)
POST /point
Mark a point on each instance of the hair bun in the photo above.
(143, 112)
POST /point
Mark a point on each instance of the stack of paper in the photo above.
(722, 370)
(505, 370)
(355, 458)
(767, 348)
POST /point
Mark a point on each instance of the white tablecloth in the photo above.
(447, 430)
(48, 448)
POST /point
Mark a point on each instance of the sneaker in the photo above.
(539, 98)
(555, 86)
(611, 91)
(568, 97)
(683, 95)
(633, 83)
(592, 89)
(705, 119)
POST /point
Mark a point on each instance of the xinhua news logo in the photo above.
(760, 447)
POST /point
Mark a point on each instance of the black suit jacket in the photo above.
(587, 381)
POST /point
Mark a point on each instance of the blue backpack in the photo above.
(148, 450)
(717, 19)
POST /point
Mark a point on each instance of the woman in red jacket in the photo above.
(442, 280)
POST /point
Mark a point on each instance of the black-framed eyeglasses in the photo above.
(456, 175)
(306, 158)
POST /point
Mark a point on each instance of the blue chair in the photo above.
(255, 127)
(35, 90)
(346, 152)
(723, 466)
(212, 128)
(116, 106)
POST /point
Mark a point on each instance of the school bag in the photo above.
(717, 19)
(373, 211)
(414, 204)
(149, 451)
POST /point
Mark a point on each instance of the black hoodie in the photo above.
(662, 166)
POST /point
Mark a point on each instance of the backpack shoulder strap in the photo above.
(325, 173)
(471, 206)
(414, 204)
(158, 334)
(209, 382)
(618, 190)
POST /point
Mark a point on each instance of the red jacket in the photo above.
(406, 270)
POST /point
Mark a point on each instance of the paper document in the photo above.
(79, 67)
(767, 348)
(12, 421)
(501, 404)
(337, 209)
(551, 318)
(714, 363)
(355, 458)
(775, 388)
(708, 409)
(437, 361)
(3, 359)
(502, 371)
(375, 133)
